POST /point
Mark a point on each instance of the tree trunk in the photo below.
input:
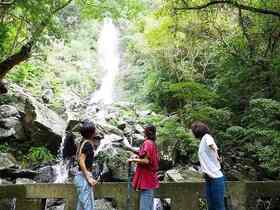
(13, 60)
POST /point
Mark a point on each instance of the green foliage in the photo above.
(26, 20)
(190, 91)
(27, 75)
(217, 65)
(236, 132)
(174, 140)
(263, 113)
(4, 147)
(217, 119)
(265, 144)
(7, 99)
(116, 9)
(37, 155)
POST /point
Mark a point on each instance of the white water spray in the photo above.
(109, 60)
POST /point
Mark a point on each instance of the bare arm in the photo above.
(144, 160)
(82, 162)
(134, 150)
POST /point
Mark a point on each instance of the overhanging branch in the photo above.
(10, 62)
(25, 51)
(7, 2)
(234, 4)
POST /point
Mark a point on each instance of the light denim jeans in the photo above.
(85, 199)
(146, 199)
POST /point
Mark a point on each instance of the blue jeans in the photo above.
(85, 194)
(215, 190)
(146, 199)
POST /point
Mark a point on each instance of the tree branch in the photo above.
(25, 51)
(232, 3)
(62, 6)
(7, 2)
(10, 62)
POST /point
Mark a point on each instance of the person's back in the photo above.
(210, 166)
(208, 158)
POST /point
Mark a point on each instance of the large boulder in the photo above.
(7, 161)
(10, 123)
(43, 125)
(114, 157)
(182, 174)
(25, 118)
(74, 106)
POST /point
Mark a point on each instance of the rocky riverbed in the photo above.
(26, 121)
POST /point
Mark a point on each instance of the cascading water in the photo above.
(109, 60)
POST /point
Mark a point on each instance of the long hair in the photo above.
(199, 129)
(87, 129)
(150, 132)
(69, 146)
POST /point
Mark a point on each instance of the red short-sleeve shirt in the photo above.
(145, 177)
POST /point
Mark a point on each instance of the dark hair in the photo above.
(199, 129)
(3, 88)
(87, 129)
(150, 132)
(69, 146)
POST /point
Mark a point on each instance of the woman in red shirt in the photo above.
(145, 178)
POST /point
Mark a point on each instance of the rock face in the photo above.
(24, 120)
(7, 161)
(182, 174)
(10, 122)
(43, 125)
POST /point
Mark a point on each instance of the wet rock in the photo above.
(43, 125)
(8, 111)
(45, 174)
(24, 118)
(6, 132)
(24, 181)
(7, 161)
(121, 125)
(143, 113)
(182, 174)
(10, 122)
(165, 164)
(47, 95)
(174, 175)
(139, 129)
(115, 159)
(14, 173)
(105, 204)
(74, 106)
(4, 181)
(108, 129)
(138, 139)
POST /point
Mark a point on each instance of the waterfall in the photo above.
(60, 168)
(109, 60)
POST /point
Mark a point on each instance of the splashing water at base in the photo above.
(60, 169)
